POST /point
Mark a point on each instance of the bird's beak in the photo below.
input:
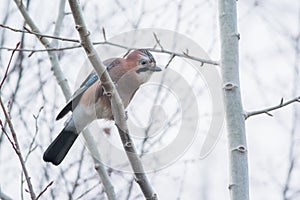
(155, 69)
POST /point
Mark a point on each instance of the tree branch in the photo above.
(116, 102)
(4, 196)
(38, 33)
(105, 42)
(14, 142)
(267, 110)
(9, 62)
(62, 82)
(44, 190)
(16, 147)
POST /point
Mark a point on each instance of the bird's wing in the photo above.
(73, 102)
(90, 80)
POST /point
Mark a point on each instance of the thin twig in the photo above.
(31, 145)
(104, 34)
(161, 50)
(14, 141)
(42, 50)
(44, 190)
(170, 60)
(52, 56)
(38, 34)
(62, 82)
(267, 110)
(9, 62)
(158, 41)
(16, 147)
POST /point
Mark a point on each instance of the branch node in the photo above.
(245, 114)
(186, 53)
(107, 93)
(269, 114)
(26, 29)
(231, 186)
(229, 86)
(104, 34)
(97, 166)
(169, 62)
(281, 102)
(158, 41)
(240, 148)
(127, 144)
(87, 34)
(78, 27)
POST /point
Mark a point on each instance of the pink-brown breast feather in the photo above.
(124, 75)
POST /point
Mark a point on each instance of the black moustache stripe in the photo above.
(143, 69)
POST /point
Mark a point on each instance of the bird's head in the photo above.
(143, 63)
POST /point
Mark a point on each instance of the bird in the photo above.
(89, 101)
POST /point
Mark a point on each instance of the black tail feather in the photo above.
(59, 148)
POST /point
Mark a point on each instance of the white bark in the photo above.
(235, 121)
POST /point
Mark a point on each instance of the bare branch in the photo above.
(62, 81)
(52, 56)
(16, 147)
(37, 33)
(158, 41)
(44, 190)
(161, 50)
(9, 62)
(4, 196)
(99, 167)
(42, 50)
(59, 21)
(117, 105)
(267, 110)
(104, 34)
(170, 60)
(14, 141)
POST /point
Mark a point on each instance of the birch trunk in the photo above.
(235, 119)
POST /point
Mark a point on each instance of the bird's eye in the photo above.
(143, 62)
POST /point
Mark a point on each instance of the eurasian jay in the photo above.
(89, 102)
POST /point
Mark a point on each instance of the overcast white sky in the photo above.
(269, 70)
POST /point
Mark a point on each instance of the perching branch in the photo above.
(116, 102)
(267, 110)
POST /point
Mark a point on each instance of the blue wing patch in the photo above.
(93, 77)
(91, 80)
